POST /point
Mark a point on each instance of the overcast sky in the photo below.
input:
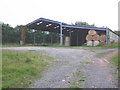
(98, 12)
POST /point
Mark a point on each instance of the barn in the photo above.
(70, 35)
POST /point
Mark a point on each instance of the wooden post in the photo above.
(23, 34)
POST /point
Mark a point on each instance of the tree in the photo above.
(84, 24)
(117, 32)
(7, 33)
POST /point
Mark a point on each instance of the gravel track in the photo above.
(72, 64)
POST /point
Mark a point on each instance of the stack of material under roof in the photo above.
(93, 39)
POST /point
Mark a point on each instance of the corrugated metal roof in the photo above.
(94, 28)
(44, 19)
(64, 24)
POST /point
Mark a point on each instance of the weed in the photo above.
(74, 86)
(28, 60)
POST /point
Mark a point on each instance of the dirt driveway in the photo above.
(75, 67)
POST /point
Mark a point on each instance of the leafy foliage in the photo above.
(7, 33)
(85, 24)
(117, 32)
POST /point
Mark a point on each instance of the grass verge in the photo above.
(16, 45)
(114, 45)
(20, 68)
(116, 60)
(99, 55)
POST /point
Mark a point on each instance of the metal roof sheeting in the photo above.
(94, 28)
(44, 19)
(64, 24)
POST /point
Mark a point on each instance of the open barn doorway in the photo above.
(77, 37)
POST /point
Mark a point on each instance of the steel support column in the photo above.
(61, 37)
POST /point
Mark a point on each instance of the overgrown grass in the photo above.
(20, 68)
(116, 60)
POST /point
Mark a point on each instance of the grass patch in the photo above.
(79, 78)
(74, 86)
(16, 45)
(25, 45)
(20, 68)
(99, 55)
(116, 60)
(114, 45)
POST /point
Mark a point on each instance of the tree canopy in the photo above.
(84, 24)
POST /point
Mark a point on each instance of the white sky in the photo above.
(98, 12)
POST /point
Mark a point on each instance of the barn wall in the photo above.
(113, 37)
